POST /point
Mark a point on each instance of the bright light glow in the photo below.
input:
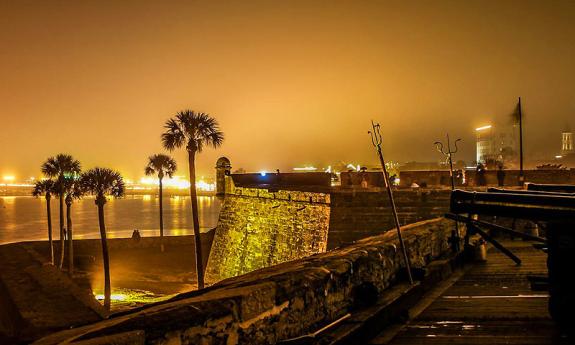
(178, 182)
(113, 297)
(356, 168)
(328, 170)
(482, 128)
(263, 173)
(203, 186)
(558, 156)
(9, 178)
(307, 168)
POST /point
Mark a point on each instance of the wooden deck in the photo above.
(492, 303)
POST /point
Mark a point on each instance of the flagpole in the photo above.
(521, 177)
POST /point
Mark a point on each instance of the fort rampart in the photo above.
(278, 302)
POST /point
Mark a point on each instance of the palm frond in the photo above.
(161, 164)
(174, 136)
(43, 187)
(193, 129)
(60, 165)
(103, 181)
(215, 139)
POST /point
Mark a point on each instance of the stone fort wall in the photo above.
(261, 227)
(274, 303)
(357, 213)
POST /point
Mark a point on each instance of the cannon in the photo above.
(564, 188)
(554, 208)
(531, 192)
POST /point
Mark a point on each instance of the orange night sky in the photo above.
(291, 82)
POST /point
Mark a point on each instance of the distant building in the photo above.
(496, 144)
(566, 142)
(567, 156)
(484, 143)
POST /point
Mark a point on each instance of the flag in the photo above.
(516, 114)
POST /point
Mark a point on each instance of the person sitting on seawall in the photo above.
(136, 235)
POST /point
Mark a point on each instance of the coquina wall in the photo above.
(275, 303)
(357, 213)
(259, 228)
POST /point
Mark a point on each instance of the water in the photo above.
(23, 218)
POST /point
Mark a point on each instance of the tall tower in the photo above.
(566, 142)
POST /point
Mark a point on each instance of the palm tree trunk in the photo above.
(61, 262)
(161, 220)
(49, 214)
(70, 240)
(105, 254)
(195, 217)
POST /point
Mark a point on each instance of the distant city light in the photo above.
(113, 297)
(9, 178)
(263, 173)
(177, 182)
(356, 168)
(328, 170)
(482, 128)
(307, 168)
(558, 156)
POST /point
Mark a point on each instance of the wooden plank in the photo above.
(491, 304)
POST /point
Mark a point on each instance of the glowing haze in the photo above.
(291, 82)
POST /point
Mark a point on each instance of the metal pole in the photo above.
(450, 164)
(521, 177)
(376, 140)
(449, 155)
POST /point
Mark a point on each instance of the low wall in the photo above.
(275, 303)
(442, 178)
(93, 247)
(421, 177)
(360, 213)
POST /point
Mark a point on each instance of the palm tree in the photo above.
(101, 182)
(59, 167)
(161, 165)
(73, 190)
(194, 131)
(46, 187)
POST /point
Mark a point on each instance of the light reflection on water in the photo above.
(23, 218)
